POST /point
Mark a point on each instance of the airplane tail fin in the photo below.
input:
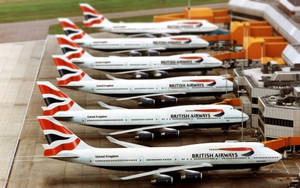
(70, 74)
(70, 48)
(92, 18)
(72, 31)
(56, 100)
(61, 141)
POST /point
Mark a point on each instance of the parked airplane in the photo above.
(140, 66)
(131, 45)
(160, 162)
(143, 89)
(142, 121)
(92, 19)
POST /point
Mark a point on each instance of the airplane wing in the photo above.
(112, 77)
(148, 35)
(149, 95)
(143, 129)
(165, 170)
(104, 105)
(144, 70)
(139, 50)
(125, 144)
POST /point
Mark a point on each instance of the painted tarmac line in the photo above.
(287, 171)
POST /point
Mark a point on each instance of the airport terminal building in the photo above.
(271, 92)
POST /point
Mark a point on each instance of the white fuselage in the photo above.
(219, 155)
(184, 61)
(172, 27)
(162, 43)
(202, 115)
(205, 85)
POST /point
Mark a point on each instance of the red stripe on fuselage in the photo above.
(209, 110)
(192, 23)
(203, 80)
(182, 38)
(191, 57)
(59, 148)
(236, 149)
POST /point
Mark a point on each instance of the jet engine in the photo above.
(169, 100)
(160, 74)
(147, 102)
(135, 53)
(169, 133)
(153, 53)
(162, 179)
(144, 136)
(141, 75)
(191, 175)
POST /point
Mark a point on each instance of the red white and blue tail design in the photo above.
(72, 31)
(70, 74)
(56, 100)
(61, 141)
(92, 18)
(70, 49)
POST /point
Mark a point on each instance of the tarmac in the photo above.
(19, 65)
(31, 169)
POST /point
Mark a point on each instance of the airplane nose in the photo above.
(279, 156)
(214, 27)
(245, 116)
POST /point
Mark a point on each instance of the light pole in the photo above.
(262, 52)
(226, 66)
(240, 92)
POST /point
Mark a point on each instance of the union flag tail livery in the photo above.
(70, 74)
(59, 139)
(92, 18)
(55, 99)
(70, 49)
(72, 31)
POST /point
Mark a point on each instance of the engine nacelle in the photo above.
(144, 136)
(141, 75)
(160, 74)
(191, 175)
(153, 53)
(169, 133)
(135, 53)
(162, 179)
(147, 102)
(169, 100)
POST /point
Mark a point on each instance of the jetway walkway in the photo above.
(283, 142)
